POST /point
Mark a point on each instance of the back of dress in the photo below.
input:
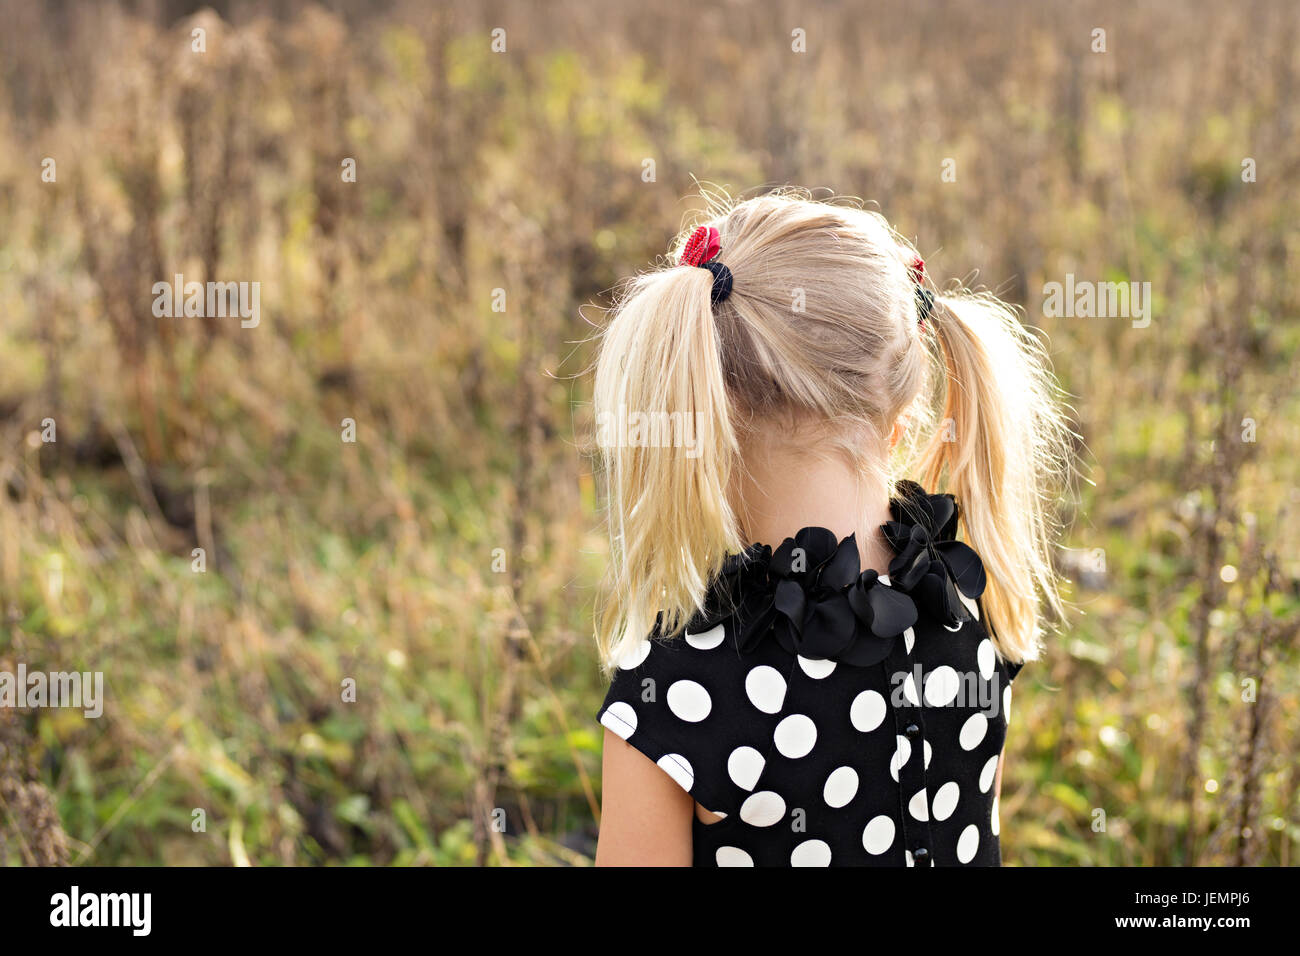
(832, 716)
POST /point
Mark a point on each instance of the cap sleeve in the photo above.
(682, 702)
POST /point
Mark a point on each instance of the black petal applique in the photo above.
(811, 596)
(884, 612)
(740, 592)
(813, 572)
(930, 563)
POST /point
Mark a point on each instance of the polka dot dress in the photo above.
(831, 717)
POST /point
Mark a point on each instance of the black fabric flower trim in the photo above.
(811, 596)
(930, 563)
(741, 590)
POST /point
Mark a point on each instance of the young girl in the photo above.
(809, 667)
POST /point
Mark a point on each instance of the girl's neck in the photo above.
(782, 488)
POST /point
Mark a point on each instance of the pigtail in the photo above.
(1001, 447)
(671, 524)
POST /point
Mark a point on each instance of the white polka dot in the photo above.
(762, 809)
(971, 605)
(953, 629)
(917, 808)
(1006, 704)
(984, 655)
(884, 579)
(941, 686)
(878, 835)
(708, 640)
(945, 800)
(909, 691)
(745, 766)
(987, 774)
(816, 669)
(867, 711)
(900, 757)
(634, 656)
(679, 768)
(620, 718)
(928, 753)
(732, 856)
(907, 856)
(811, 853)
(994, 824)
(973, 731)
(766, 688)
(909, 639)
(841, 786)
(689, 701)
(795, 736)
(968, 843)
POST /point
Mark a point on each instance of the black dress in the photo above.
(833, 718)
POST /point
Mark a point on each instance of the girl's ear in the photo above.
(897, 434)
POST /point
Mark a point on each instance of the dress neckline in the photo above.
(811, 595)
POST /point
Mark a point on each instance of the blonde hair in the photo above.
(822, 323)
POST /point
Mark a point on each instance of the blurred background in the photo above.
(447, 561)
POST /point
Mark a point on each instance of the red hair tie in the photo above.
(704, 244)
(917, 269)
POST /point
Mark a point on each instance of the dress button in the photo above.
(921, 856)
(912, 731)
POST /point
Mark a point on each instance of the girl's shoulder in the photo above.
(696, 702)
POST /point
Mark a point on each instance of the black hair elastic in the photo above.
(924, 304)
(924, 297)
(721, 281)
